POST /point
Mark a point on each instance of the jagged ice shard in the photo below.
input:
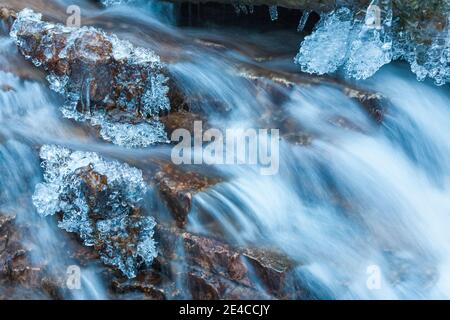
(100, 201)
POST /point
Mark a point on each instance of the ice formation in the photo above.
(371, 45)
(362, 46)
(433, 61)
(326, 49)
(106, 81)
(303, 20)
(243, 8)
(132, 135)
(108, 3)
(100, 201)
(273, 12)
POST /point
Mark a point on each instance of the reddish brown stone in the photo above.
(177, 188)
(181, 120)
(216, 270)
(373, 103)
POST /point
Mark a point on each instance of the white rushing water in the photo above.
(354, 200)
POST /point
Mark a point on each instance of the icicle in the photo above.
(303, 20)
(273, 11)
(243, 8)
(237, 8)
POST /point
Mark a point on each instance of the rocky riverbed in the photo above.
(87, 115)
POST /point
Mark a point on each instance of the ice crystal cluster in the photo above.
(361, 46)
(243, 8)
(105, 80)
(108, 3)
(99, 200)
(273, 13)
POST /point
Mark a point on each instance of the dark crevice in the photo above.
(217, 14)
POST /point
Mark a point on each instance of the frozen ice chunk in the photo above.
(130, 135)
(433, 61)
(367, 55)
(325, 50)
(100, 201)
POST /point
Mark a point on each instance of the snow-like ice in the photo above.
(105, 217)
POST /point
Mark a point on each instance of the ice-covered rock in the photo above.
(432, 61)
(100, 201)
(362, 45)
(105, 80)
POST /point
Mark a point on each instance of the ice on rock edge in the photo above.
(138, 71)
(99, 201)
(432, 62)
(132, 135)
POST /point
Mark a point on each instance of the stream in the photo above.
(354, 197)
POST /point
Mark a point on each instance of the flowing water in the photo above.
(361, 196)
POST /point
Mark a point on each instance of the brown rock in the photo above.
(216, 270)
(373, 103)
(177, 188)
(182, 120)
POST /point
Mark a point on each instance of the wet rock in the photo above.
(280, 85)
(178, 187)
(374, 103)
(7, 15)
(274, 270)
(6, 88)
(216, 270)
(20, 277)
(147, 285)
(182, 120)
